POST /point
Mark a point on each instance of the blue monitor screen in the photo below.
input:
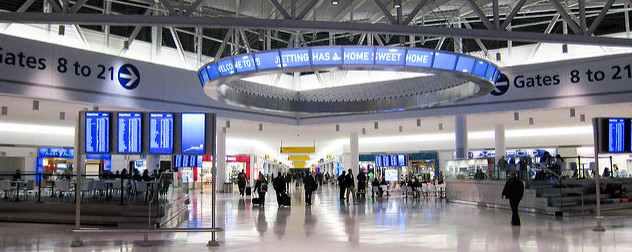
(245, 63)
(193, 133)
(386, 161)
(391, 175)
(185, 160)
(481, 68)
(390, 56)
(295, 58)
(203, 75)
(444, 61)
(268, 60)
(212, 71)
(401, 160)
(491, 72)
(177, 161)
(378, 161)
(193, 161)
(97, 132)
(616, 134)
(226, 67)
(419, 58)
(465, 64)
(327, 56)
(129, 132)
(200, 160)
(161, 133)
(394, 160)
(357, 55)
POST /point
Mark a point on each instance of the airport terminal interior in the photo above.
(113, 113)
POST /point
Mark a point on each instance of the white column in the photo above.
(354, 155)
(221, 158)
(460, 141)
(499, 139)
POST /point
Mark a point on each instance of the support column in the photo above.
(460, 141)
(499, 139)
(221, 158)
(354, 155)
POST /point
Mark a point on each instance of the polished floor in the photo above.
(388, 224)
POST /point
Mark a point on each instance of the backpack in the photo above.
(264, 187)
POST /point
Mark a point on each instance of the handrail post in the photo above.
(597, 228)
(39, 189)
(122, 180)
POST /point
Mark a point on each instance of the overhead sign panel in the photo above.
(268, 60)
(295, 58)
(129, 132)
(161, 133)
(298, 158)
(97, 132)
(299, 164)
(226, 67)
(245, 63)
(326, 56)
(390, 56)
(358, 55)
(193, 133)
(444, 61)
(203, 75)
(419, 58)
(465, 64)
(213, 72)
(298, 149)
(481, 68)
(491, 72)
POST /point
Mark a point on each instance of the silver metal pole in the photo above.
(78, 167)
(213, 242)
(596, 125)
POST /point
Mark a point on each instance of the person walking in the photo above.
(308, 183)
(261, 186)
(513, 190)
(342, 184)
(350, 185)
(241, 182)
(279, 187)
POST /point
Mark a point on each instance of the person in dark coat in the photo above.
(514, 190)
(241, 182)
(361, 181)
(279, 187)
(308, 183)
(350, 185)
(261, 186)
(342, 183)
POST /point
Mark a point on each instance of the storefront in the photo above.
(236, 164)
(422, 166)
(480, 164)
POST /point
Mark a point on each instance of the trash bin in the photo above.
(228, 188)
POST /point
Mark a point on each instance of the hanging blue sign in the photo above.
(419, 58)
(226, 67)
(327, 56)
(245, 63)
(465, 64)
(357, 55)
(268, 60)
(390, 56)
(444, 61)
(295, 58)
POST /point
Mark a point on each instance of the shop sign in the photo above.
(56, 153)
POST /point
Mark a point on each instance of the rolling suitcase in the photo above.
(256, 201)
(286, 200)
(248, 190)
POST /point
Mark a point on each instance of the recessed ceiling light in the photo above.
(334, 2)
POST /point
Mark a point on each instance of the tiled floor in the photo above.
(392, 224)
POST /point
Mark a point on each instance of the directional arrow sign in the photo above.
(128, 76)
(502, 85)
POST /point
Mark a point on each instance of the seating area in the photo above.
(425, 190)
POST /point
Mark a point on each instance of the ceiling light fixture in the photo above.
(398, 3)
(35, 105)
(334, 2)
(62, 30)
(62, 116)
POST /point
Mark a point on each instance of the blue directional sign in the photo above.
(245, 63)
(358, 55)
(268, 60)
(161, 133)
(501, 86)
(481, 68)
(444, 61)
(326, 56)
(129, 132)
(465, 64)
(128, 76)
(390, 56)
(295, 58)
(226, 67)
(419, 58)
(97, 132)
(193, 133)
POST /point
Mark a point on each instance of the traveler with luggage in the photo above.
(261, 187)
(309, 184)
(241, 182)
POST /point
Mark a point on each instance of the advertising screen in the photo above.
(193, 133)
(390, 56)
(129, 132)
(357, 55)
(616, 135)
(177, 161)
(212, 71)
(245, 63)
(378, 161)
(465, 64)
(481, 68)
(295, 58)
(401, 160)
(419, 58)
(161, 133)
(97, 132)
(226, 67)
(386, 161)
(267, 60)
(444, 61)
(391, 175)
(327, 56)
(185, 160)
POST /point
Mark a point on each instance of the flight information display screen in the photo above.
(394, 160)
(244, 63)
(295, 58)
(185, 160)
(419, 58)
(357, 55)
(327, 56)
(97, 132)
(378, 161)
(616, 135)
(390, 56)
(193, 161)
(161, 133)
(444, 61)
(268, 60)
(401, 160)
(177, 161)
(129, 132)
(386, 161)
(193, 133)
